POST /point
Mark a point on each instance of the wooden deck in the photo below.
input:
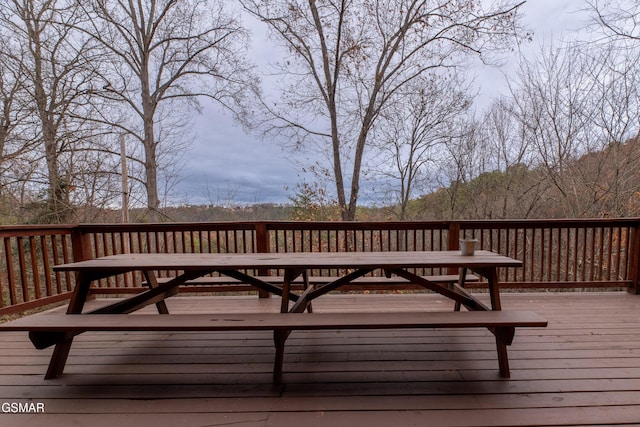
(584, 369)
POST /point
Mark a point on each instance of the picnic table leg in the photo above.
(306, 287)
(153, 283)
(61, 350)
(461, 281)
(503, 359)
(501, 346)
(279, 338)
(289, 277)
(286, 288)
(58, 359)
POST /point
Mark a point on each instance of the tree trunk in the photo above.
(57, 209)
(150, 160)
(151, 175)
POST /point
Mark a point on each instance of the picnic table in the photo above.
(59, 330)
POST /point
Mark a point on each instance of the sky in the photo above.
(227, 166)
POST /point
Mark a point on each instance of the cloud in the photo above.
(226, 162)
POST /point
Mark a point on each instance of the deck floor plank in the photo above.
(583, 369)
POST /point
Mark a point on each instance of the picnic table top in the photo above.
(291, 260)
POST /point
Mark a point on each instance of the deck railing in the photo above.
(556, 254)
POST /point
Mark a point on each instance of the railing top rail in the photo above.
(174, 226)
(549, 223)
(360, 224)
(35, 230)
(14, 230)
(356, 225)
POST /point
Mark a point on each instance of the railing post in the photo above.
(454, 236)
(263, 245)
(634, 261)
(453, 242)
(80, 247)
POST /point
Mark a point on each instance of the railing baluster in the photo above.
(4, 289)
(582, 246)
(34, 267)
(610, 253)
(46, 265)
(23, 269)
(532, 253)
(11, 275)
(622, 231)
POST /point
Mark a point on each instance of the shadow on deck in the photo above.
(583, 369)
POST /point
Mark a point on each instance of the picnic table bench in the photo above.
(225, 283)
(502, 322)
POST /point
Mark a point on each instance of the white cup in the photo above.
(468, 246)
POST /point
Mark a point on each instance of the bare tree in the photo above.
(13, 111)
(552, 103)
(164, 54)
(617, 19)
(619, 22)
(504, 155)
(457, 167)
(411, 132)
(10, 85)
(577, 106)
(55, 63)
(613, 131)
(15, 169)
(351, 58)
